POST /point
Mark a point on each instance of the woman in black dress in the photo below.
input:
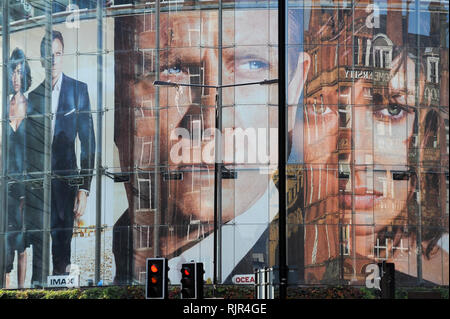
(19, 83)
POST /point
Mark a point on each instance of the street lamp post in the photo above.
(218, 166)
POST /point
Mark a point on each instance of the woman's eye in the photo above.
(391, 112)
(394, 110)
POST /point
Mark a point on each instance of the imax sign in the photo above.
(66, 281)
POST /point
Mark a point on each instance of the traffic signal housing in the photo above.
(192, 280)
(156, 283)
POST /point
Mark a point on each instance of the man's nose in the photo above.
(363, 136)
(196, 120)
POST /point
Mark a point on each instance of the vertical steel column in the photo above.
(352, 158)
(47, 144)
(99, 167)
(4, 140)
(282, 145)
(218, 161)
(418, 168)
(156, 222)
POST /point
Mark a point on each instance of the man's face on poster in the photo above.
(189, 41)
(57, 58)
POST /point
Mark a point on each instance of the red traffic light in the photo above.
(154, 268)
(186, 272)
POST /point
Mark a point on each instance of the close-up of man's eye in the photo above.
(174, 70)
(171, 70)
(253, 65)
(256, 65)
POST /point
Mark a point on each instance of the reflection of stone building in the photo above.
(348, 46)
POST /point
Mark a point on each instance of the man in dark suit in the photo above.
(71, 118)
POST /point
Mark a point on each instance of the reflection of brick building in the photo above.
(359, 45)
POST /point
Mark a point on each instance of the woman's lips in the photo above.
(361, 200)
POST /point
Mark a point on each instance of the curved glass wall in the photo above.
(102, 169)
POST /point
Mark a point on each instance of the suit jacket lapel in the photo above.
(62, 105)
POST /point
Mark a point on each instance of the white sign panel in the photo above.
(68, 281)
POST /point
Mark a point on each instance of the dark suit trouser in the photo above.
(62, 218)
(36, 239)
(122, 248)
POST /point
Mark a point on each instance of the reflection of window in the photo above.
(368, 51)
(336, 53)
(196, 76)
(384, 129)
(143, 236)
(146, 154)
(382, 52)
(344, 170)
(447, 187)
(432, 69)
(345, 242)
(380, 249)
(315, 64)
(431, 141)
(356, 50)
(345, 110)
(144, 193)
(446, 124)
(369, 175)
(345, 116)
(367, 93)
(191, 234)
(402, 250)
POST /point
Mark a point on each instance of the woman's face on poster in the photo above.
(17, 78)
(382, 129)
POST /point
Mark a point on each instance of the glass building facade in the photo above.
(102, 169)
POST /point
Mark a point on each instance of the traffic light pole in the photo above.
(218, 164)
(282, 147)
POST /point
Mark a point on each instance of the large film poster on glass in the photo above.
(367, 141)
(184, 183)
(375, 141)
(368, 152)
(73, 149)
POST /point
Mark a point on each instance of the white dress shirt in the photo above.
(238, 237)
(56, 90)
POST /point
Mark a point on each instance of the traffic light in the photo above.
(157, 270)
(192, 281)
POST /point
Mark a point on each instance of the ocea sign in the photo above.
(65, 281)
